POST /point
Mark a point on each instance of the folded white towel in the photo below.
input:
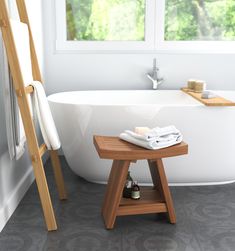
(162, 131)
(156, 138)
(152, 145)
(45, 118)
(157, 133)
(165, 138)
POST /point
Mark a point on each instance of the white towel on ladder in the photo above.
(15, 129)
(40, 103)
(45, 119)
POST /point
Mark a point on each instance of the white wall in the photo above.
(127, 71)
(16, 176)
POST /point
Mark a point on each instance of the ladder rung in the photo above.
(42, 149)
(29, 89)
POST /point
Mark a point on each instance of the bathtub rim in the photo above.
(193, 102)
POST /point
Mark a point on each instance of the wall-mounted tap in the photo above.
(154, 75)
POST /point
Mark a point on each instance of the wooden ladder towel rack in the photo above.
(36, 152)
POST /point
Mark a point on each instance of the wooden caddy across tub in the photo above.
(153, 200)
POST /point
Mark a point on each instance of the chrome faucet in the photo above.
(154, 75)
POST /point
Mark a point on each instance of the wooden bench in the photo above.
(153, 200)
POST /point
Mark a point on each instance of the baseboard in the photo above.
(17, 194)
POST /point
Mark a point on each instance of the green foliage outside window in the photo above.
(124, 20)
(191, 20)
(99, 20)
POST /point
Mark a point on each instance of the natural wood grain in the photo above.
(115, 148)
(110, 188)
(25, 19)
(148, 195)
(29, 89)
(34, 150)
(152, 200)
(42, 149)
(58, 175)
(142, 209)
(2, 23)
(217, 101)
(114, 190)
(26, 117)
(162, 185)
(155, 177)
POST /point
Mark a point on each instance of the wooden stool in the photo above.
(153, 200)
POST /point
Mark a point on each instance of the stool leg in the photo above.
(113, 195)
(109, 188)
(160, 182)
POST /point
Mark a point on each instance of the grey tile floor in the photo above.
(205, 221)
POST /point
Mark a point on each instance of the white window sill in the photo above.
(142, 49)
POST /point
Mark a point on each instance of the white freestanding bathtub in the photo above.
(209, 132)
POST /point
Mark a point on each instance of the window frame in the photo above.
(164, 46)
(62, 44)
(154, 37)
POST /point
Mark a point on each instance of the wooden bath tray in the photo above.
(218, 101)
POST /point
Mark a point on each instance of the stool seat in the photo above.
(156, 199)
(115, 148)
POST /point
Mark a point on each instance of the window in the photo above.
(200, 20)
(146, 25)
(104, 24)
(105, 20)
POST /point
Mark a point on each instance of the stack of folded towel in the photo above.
(153, 139)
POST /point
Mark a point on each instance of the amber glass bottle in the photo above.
(128, 187)
(135, 191)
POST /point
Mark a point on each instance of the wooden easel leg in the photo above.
(58, 175)
(44, 194)
(116, 183)
(160, 182)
